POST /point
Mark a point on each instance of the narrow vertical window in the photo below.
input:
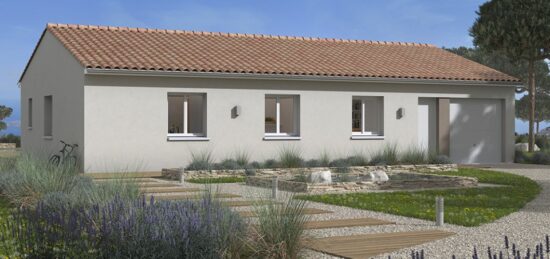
(367, 116)
(48, 116)
(29, 113)
(186, 116)
(282, 115)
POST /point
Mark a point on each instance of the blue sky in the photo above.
(443, 23)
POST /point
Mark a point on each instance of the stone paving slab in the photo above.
(365, 246)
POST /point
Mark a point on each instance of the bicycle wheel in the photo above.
(54, 160)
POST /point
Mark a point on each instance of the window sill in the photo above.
(187, 138)
(47, 137)
(359, 137)
(282, 138)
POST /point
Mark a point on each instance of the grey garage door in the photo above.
(476, 131)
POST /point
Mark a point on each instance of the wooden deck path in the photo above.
(169, 190)
(364, 246)
(342, 223)
(192, 197)
(308, 211)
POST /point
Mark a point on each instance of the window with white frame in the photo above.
(282, 115)
(368, 116)
(186, 115)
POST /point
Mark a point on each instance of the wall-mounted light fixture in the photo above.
(235, 111)
(400, 113)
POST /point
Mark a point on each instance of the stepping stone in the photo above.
(246, 203)
(192, 197)
(308, 211)
(366, 246)
(342, 223)
(169, 190)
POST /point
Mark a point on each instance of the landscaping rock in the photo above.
(320, 177)
(524, 147)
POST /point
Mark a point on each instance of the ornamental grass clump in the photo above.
(280, 229)
(202, 160)
(414, 155)
(121, 229)
(290, 157)
(30, 178)
(388, 155)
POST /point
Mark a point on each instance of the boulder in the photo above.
(320, 177)
(524, 147)
(379, 176)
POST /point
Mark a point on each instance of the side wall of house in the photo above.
(53, 71)
(126, 118)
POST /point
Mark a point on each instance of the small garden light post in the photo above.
(182, 176)
(274, 183)
(439, 211)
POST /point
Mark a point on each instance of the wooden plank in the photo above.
(308, 211)
(156, 184)
(363, 246)
(169, 190)
(192, 197)
(133, 180)
(123, 175)
(246, 203)
(341, 223)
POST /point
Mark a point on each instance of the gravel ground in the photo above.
(526, 227)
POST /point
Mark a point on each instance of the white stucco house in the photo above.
(149, 98)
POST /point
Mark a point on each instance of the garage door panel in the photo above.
(476, 131)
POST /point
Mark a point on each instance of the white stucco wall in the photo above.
(52, 71)
(126, 118)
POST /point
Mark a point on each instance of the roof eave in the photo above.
(124, 72)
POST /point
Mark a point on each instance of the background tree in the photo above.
(4, 113)
(519, 29)
(518, 69)
(542, 109)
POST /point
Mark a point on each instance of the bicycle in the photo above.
(65, 156)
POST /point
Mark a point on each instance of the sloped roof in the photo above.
(124, 48)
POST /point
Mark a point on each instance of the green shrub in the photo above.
(227, 164)
(11, 138)
(271, 163)
(324, 159)
(279, 231)
(290, 157)
(542, 142)
(541, 158)
(202, 160)
(434, 158)
(521, 157)
(522, 138)
(388, 155)
(414, 155)
(358, 160)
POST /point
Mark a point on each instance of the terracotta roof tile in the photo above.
(107, 47)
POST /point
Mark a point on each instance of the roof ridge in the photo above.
(247, 35)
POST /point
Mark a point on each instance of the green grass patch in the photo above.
(229, 179)
(466, 207)
(5, 208)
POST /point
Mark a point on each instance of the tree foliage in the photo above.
(4, 113)
(542, 109)
(520, 30)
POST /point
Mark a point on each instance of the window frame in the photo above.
(278, 135)
(364, 134)
(48, 117)
(29, 113)
(186, 135)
